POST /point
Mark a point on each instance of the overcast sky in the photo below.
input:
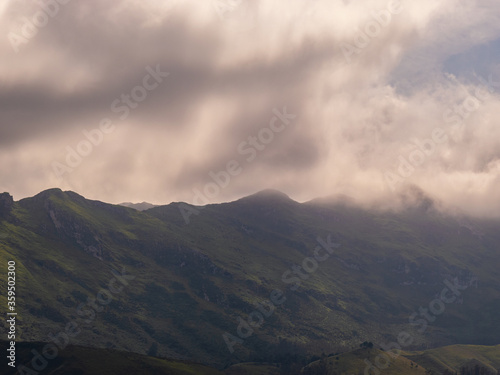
(362, 83)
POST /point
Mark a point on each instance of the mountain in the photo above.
(185, 282)
(139, 206)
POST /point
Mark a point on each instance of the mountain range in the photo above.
(255, 280)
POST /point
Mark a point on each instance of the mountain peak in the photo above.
(269, 194)
(267, 197)
(52, 191)
(413, 197)
(6, 203)
(334, 199)
(56, 192)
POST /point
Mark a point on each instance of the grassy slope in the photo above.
(354, 363)
(193, 281)
(437, 360)
(252, 369)
(454, 356)
(378, 244)
(90, 361)
(84, 360)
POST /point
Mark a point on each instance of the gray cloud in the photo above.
(354, 120)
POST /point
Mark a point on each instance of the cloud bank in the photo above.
(370, 84)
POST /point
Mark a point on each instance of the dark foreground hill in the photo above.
(258, 279)
(77, 360)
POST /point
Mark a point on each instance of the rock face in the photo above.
(76, 230)
(6, 203)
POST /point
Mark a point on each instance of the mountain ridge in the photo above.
(232, 256)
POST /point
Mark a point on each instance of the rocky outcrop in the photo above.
(6, 204)
(76, 230)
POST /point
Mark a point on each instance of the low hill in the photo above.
(76, 360)
(454, 357)
(364, 361)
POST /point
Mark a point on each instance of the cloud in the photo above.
(231, 63)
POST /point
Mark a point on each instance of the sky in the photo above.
(209, 101)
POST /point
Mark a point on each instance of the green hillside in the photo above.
(454, 356)
(191, 283)
(90, 361)
(361, 360)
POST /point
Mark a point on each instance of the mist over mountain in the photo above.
(366, 97)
